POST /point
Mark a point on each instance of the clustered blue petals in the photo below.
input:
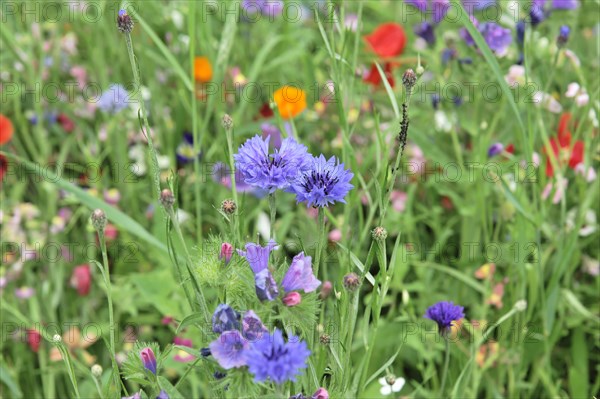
(271, 171)
(271, 358)
(324, 183)
(225, 319)
(317, 181)
(444, 313)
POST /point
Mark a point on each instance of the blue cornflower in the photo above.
(444, 313)
(271, 171)
(300, 275)
(185, 150)
(271, 358)
(257, 256)
(324, 183)
(230, 349)
(225, 319)
(563, 35)
(113, 99)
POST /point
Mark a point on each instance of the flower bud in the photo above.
(56, 338)
(227, 122)
(98, 220)
(409, 79)
(97, 370)
(205, 352)
(148, 359)
(292, 299)
(226, 252)
(520, 305)
(351, 281)
(563, 35)
(326, 289)
(379, 233)
(325, 339)
(167, 199)
(228, 206)
(321, 393)
(124, 22)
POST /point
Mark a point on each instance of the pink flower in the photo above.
(182, 356)
(325, 289)
(335, 235)
(226, 252)
(321, 393)
(81, 279)
(292, 299)
(398, 199)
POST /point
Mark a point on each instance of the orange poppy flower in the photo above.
(6, 129)
(388, 40)
(202, 70)
(290, 100)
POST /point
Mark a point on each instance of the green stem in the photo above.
(320, 243)
(138, 84)
(273, 211)
(446, 364)
(229, 136)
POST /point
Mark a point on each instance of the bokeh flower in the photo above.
(81, 279)
(181, 355)
(388, 40)
(561, 147)
(271, 171)
(185, 150)
(202, 70)
(290, 100)
(113, 99)
(444, 314)
(325, 183)
(271, 358)
(6, 129)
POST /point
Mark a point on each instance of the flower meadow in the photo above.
(300, 199)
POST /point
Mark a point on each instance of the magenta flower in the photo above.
(226, 252)
(292, 299)
(148, 359)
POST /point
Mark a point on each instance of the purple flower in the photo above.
(266, 7)
(222, 175)
(134, 396)
(324, 183)
(300, 275)
(24, 292)
(114, 99)
(520, 29)
(497, 37)
(162, 395)
(477, 5)
(565, 4)
(270, 130)
(271, 171)
(230, 349)
(444, 313)
(148, 359)
(439, 8)
(563, 35)
(185, 150)
(225, 319)
(265, 285)
(495, 149)
(252, 327)
(425, 31)
(257, 256)
(271, 358)
(466, 36)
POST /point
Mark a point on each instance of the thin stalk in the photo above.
(445, 370)
(138, 84)
(234, 195)
(273, 212)
(320, 243)
(66, 356)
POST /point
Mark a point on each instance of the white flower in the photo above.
(263, 225)
(442, 122)
(387, 388)
(177, 19)
(548, 102)
(577, 92)
(516, 75)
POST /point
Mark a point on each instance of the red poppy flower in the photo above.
(6, 129)
(388, 40)
(374, 78)
(561, 147)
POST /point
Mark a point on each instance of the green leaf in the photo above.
(7, 380)
(169, 389)
(389, 90)
(188, 320)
